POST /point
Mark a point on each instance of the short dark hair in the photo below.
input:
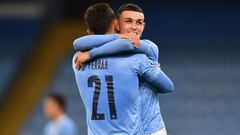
(59, 100)
(98, 17)
(129, 7)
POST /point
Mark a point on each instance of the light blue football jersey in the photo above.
(64, 126)
(109, 89)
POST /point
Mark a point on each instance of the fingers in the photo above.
(135, 39)
(132, 37)
(75, 60)
(81, 59)
(78, 65)
(78, 62)
(136, 43)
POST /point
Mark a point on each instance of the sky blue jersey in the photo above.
(109, 88)
(64, 126)
(151, 114)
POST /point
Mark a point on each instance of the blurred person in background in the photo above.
(60, 123)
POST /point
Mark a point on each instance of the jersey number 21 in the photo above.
(110, 93)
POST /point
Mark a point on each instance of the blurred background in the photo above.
(199, 43)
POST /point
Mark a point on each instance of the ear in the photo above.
(89, 32)
(117, 27)
(144, 26)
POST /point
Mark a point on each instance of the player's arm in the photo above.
(113, 47)
(154, 76)
(123, 45)
(91, 41)
(110, 48)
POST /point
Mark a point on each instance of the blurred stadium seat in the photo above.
(16, 38)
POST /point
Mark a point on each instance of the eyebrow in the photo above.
(133, 19)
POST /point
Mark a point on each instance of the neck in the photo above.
(58, 117)
(111, 30)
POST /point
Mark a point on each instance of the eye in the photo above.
(140, 22)
(128, 21)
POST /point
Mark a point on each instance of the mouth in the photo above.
(134, 32)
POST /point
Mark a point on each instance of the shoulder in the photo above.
(68, 120)
(50, 128)
(138, 56)
(128, 56)
(150, 43)
(67, 123)
(47, 126)
(138, 59)
(153, 47)
(128, 60)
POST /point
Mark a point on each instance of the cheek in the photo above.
(123, 26)
(50, 108)
(141, 28)
(122, 29)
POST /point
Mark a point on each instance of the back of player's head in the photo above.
(129, 7)
(59, 99)
(99, 17)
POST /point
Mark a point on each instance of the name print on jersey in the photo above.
(100, 64)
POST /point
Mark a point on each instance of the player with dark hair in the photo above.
(98, 17)
(60, 123)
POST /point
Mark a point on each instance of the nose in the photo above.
(134, 26)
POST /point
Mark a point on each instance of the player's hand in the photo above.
(81, 59)
(135, 38)
(132, 37)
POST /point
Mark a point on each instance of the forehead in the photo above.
(132, 15)
(49, 100)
